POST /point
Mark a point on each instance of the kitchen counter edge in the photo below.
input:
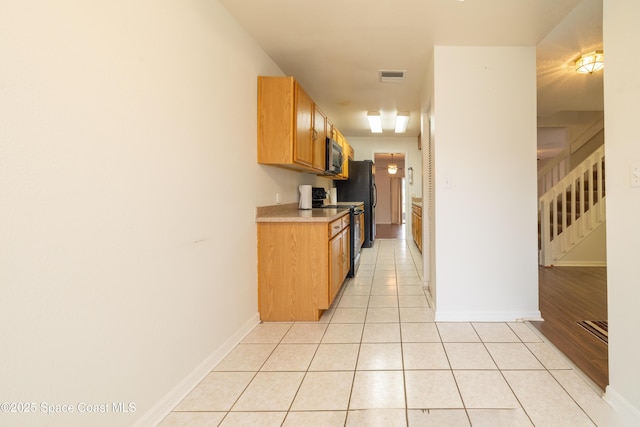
(291, 213)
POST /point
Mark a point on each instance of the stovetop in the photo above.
(353, 208)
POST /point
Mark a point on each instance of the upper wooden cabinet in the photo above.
(319, 139)
(347, 152)
(303, 118)
(291, 129)
(330, 133)
(348, 155)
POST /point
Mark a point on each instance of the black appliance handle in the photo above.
(375, 195)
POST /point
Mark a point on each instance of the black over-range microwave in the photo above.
(335, 157)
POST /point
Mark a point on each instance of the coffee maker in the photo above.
(318, 194)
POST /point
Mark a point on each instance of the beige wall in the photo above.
(485, 217)
(127, 198)
(590, 252)
(622, 149)
(427, 110)
(128, 189)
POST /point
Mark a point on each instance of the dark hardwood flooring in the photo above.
(390, 231)
(568, 295)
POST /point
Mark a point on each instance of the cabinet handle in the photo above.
(314, 134)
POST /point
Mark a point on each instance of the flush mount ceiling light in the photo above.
(402, 120)
(590, 62)
(375, 122)
(392, 168)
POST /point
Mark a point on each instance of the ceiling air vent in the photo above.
(391, 76)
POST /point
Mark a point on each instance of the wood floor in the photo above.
(568, 295)
(390, 231)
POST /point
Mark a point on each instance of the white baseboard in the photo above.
(161, 409)
(581, 264)
(626, 414)
(498, 316)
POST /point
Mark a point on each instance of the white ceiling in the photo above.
(335, 49)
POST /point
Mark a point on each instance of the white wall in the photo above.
(485, 216)
(128, 185)
(365, 149)
(428, 113)
(622, 90)
(589, 252)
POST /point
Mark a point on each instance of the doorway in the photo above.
(391, 215)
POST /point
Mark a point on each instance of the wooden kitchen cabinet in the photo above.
(330, 133)
(348, 153)
(319, 139)
(347, 149)
(289, 134)
(339, 257)
(303, 119)
(416, 225)
(301, 267)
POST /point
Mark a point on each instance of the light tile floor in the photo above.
(377, 358)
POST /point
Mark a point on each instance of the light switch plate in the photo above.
(635, 174)
(446, 182)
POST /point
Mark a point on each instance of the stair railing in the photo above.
(552, 172)
(558, 167)
(572, 208)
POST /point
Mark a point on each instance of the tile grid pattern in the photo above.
(378, 358)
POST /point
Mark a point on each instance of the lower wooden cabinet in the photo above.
(339, 261)
(416, 225)
(301, 267)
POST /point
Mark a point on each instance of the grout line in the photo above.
(388, 252)
(566, 360)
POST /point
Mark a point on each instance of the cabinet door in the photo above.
(303, 144)
(346, 253)
(348, 155)
(414, 224)
(335, 266)
(419, 233)
(319, 137)
(340, 140)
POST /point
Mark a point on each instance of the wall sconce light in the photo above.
(590, 62)
(375, 122)
(402, 121)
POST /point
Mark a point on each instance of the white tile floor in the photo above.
(377, 358)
